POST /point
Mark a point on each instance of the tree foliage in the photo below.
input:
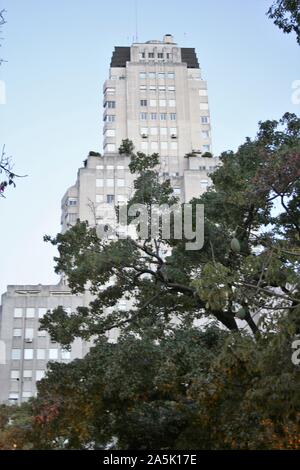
(249, 261)
(286, 15)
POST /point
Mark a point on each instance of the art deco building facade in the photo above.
(156, 97)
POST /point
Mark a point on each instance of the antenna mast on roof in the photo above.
(136, 20)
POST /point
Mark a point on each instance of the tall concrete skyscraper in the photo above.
(155, 96)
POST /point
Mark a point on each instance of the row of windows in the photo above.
(109, 118)
(109, 198)
(158, 55)
(110, 182)
(163, 103)
(163, 145)
(110, 167)
(162, 130)
(110, 104)
(28, 333)
(42, 354)
(160, 88)
(159, 75)
(155, 116)
(32, 312)
(14, 397)
(27, 374)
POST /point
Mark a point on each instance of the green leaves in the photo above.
(213, 287)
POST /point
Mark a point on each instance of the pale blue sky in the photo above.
(58, 54)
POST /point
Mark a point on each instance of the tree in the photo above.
(249, 262)
(16, 429)
(286, 15)
(180, 385)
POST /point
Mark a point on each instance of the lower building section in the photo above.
(25, 350)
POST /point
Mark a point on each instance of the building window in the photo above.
(174, 145)
(160, 55)
(120, 183)
(26, 395)
(153, 130)
(143, 75)
(110, 91)
(202, 92)
(110, 167)
(204, 183)
(28, 354)
(110, 147)
(110, 132)
(99, 167)
(99, 198)
(173, 131)
(204, 106)
(39, 375)
(205, 134)
(42, 312)
(143, 116)
(72, 218)
(28, 334)
(171, 75)
(16, 354)
(143, 88)
(161, 88)
(29, 312)
(143, 102)
(99, 182)
(154, 146)
(18, 313)
(144, 145)
(27, 374)
(110, 118)
(164, 145)
(53, 354)
(151, 55)
(172, 103)
(41, 354)
(163, 116)
(144, 131)
(65, 355)
(173, 116)
(152, 103)
(15, 374)
(120, 167)
(152, 88)
(161, 75)
(202, 167)
(152, 75)
(142, 55)
(168, 55)
(204, 119)
(171, 89)
(177, 191)
(110, 198)
(153, 116)
(72, 201)
(17, 332)
(110, 104)
(110, 182)
(163, 131)
(206, 148)
(162, 102)
(42, 333)
(13, 397)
